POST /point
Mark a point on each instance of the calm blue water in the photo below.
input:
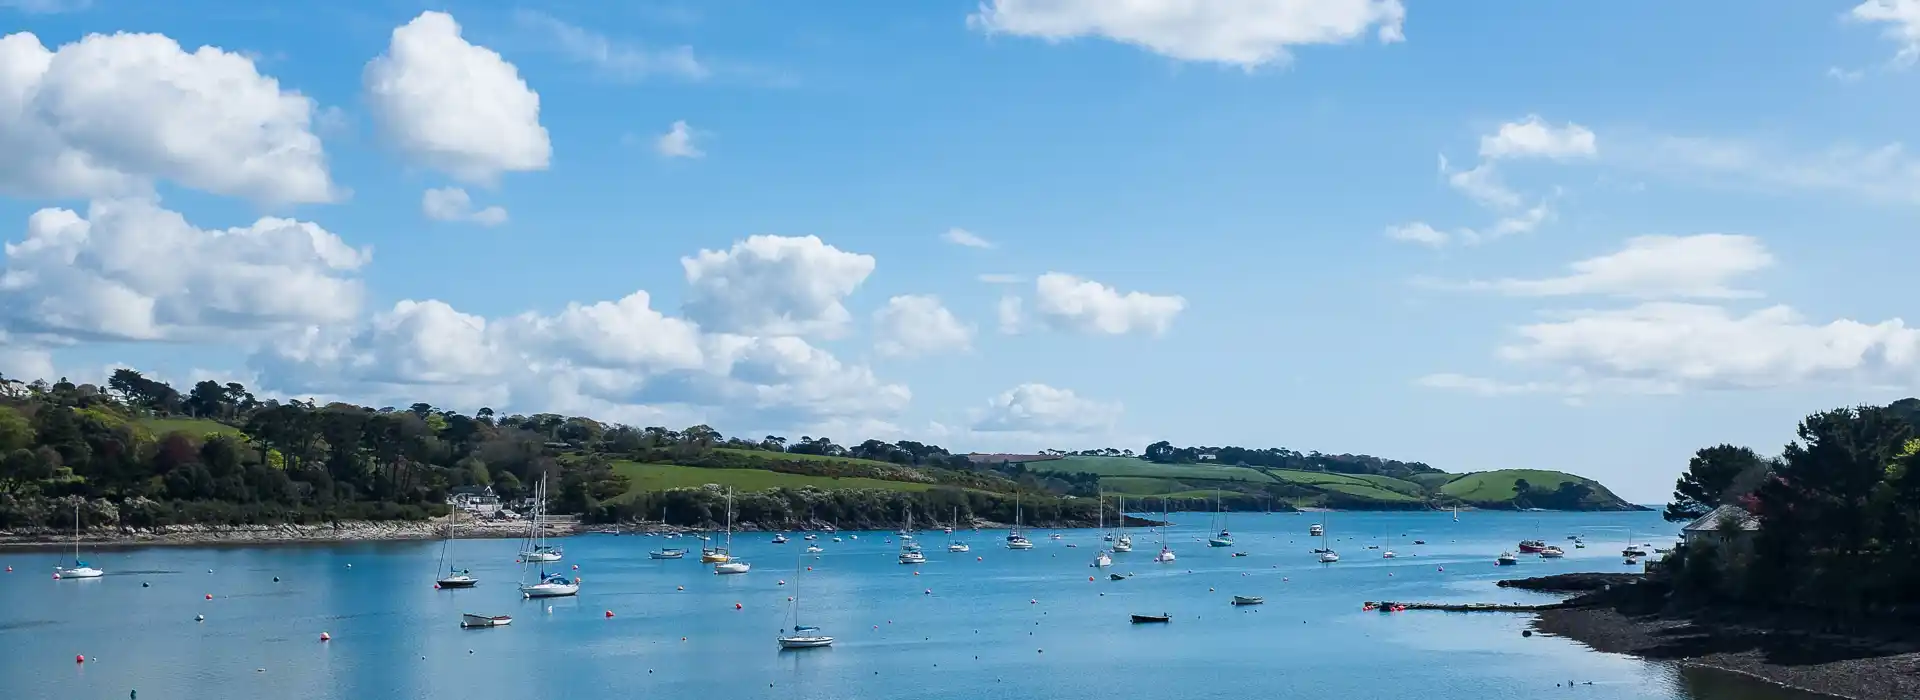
(1007, 625)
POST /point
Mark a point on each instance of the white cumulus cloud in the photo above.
(1245, 33)
(1671, 344)
(1038, 408)
(1700, 266)
(1065, 302)
(108, 115)
(918, 324)
(130, 270)
(453, 106)
(1533, 137)
(453, 204)
(1902, 20)
(678, 142)
(774, 285)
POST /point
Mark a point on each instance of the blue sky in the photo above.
(1587, 236)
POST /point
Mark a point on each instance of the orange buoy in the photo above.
(736, 606)
(783, 582)
(609, 613)
(209, 596)
(79, 658)
(56, 577)
(979, 558)
(1033, 601)
(436, 586)
(326, 637)
(576, 567)
(809, 568)
(916, 573)
(1089, 578)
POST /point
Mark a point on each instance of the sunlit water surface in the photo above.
(990, 623)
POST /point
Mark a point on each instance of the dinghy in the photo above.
(470, 620)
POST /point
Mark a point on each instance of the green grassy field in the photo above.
(1432, 482)
(760, 454)
(1141, 485)
(193, 426)
(643, 478)
(1497, 485)
(1380, 488)
(1131, 467)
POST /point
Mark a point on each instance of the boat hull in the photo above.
(471, 621)
(805, 642)
(550, 590)
(1145, 619)
(667, 555)
(1248, 600)
(80, 572)
(1219, 542)
(457, 582)
(540, 556)
(732, 567)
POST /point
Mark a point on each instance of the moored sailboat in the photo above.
(79, 570)
(801, 636)
(730, 565)
(452, 578)
(1224, 539)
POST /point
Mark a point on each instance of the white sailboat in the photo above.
(79, 569)
(1327, 555)
(537, 549)
(451, 577)
(1101, 561)
(1123, 543)
(953, 545)
(801, 636)
(554, 585)
(731, 565)
(909, 550)
(1105, 534)
(1166, 553)
(1224, 539)
(1015, 540)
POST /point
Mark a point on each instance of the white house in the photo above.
(1729, 527)
(1207, 457)
(473, 499)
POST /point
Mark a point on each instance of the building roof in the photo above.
(470, 491)
(1711, 521)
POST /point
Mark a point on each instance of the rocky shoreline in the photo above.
(1766, 645)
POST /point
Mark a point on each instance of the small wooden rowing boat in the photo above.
(1163, 617)
(472, 620)
(1248, 600)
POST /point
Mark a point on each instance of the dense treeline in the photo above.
(121, 452)
(1283, 458)
(1838, 512)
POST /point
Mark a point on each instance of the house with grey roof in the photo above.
(1726, 527)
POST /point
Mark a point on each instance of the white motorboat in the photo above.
(958, 548)
(1387, 554)
(1018, 542)
(1101, 560)
(1506, 559)
(470, 620)
(1165, 555)
(1054, 536)
(668, 553)
(1317, 530)
(732, 567)
(1552, 552)
(79, 570)
(912, 556)
(814, 549)
(811, 537)
(1329, 557)
(780, 538)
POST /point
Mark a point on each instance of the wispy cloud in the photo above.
(960, 236)
(615, 59)
(1886, 173)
